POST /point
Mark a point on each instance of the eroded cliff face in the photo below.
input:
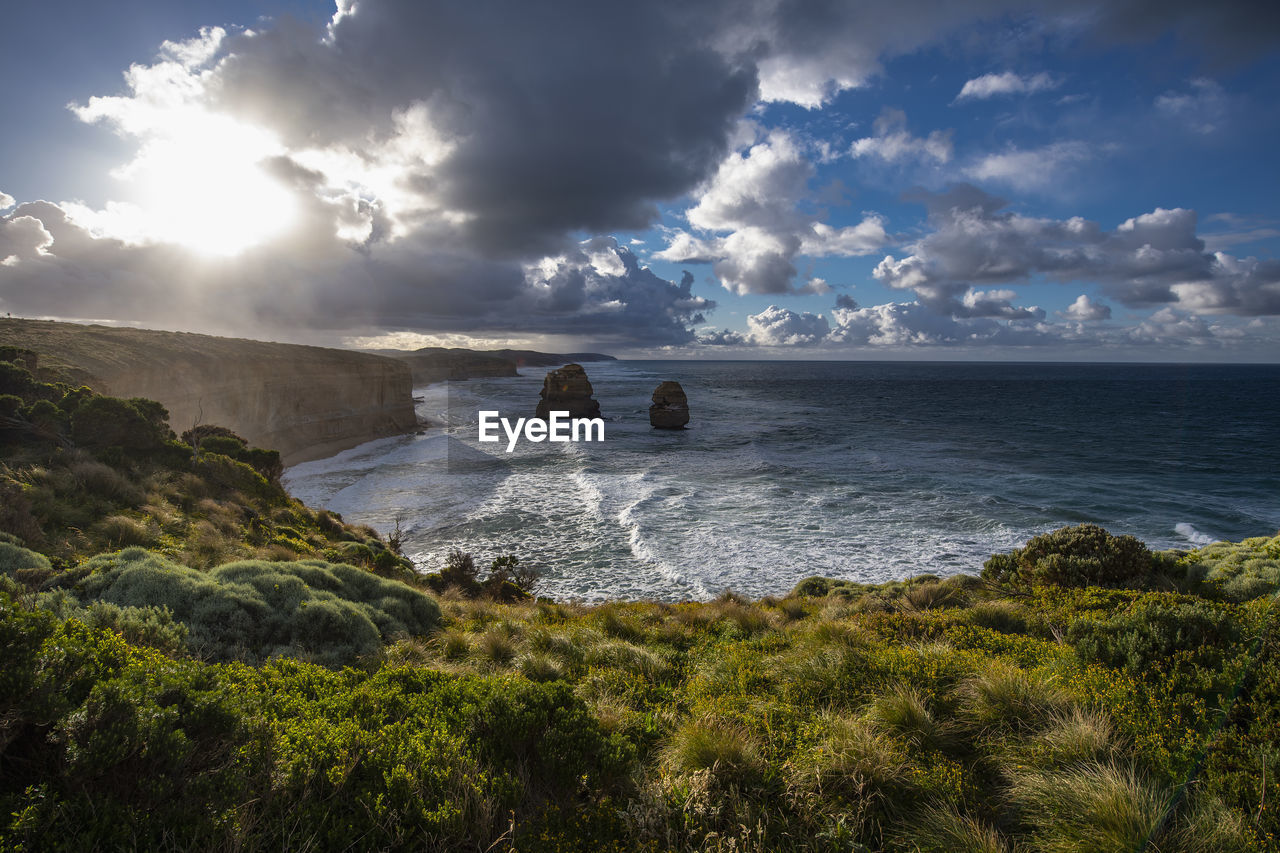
(307, 402)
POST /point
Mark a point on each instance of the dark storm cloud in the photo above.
(1229, 31)
(573, 117)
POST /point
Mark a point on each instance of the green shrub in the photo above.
(230, 474)
(1244, 570)
(332, 614)
(1084, 555)
(1152, 630)
(23, 564)
(140, 626)
(136, 424)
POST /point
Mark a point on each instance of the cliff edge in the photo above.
(306, 402)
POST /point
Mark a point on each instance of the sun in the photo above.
(204, 184)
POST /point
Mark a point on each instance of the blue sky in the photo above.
(772, 179)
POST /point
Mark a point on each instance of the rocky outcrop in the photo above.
(306, 402)
(670, 409)
(567, 390)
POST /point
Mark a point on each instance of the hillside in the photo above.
(194, 660)
(306, 402)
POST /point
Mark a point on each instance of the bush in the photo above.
(1153, 630)
(236, 476)
(332, 614)
(1084, 555)
(20, 563)
(1244, 570)
(136, 424)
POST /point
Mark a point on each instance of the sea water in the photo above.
(860, 470)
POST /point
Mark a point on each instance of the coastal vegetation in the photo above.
(195, 660)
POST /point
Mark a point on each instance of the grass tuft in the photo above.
(1005, 698)
(726, 750)
(944, 829)
(1106, 808)
(902, 712)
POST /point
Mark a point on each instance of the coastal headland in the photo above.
(306, 402)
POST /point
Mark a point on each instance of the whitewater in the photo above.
(860, 470)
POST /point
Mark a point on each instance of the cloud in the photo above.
(1152, 260)
(1006, 83)
(752, 226)
(894, 144)
(723, 337)
(595, 289)
(1033, 169)
(1229, 32)
(1203, 109)
(776, 326)
(1085, 310)
(6, 201)
(22, 238)
(417, 166)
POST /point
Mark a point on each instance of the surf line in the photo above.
(558, 427)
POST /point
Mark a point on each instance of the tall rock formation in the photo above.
(567, 389)
(306, 402)
(670, 409)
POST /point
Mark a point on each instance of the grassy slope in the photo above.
(930, 714)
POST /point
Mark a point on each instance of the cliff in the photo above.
(307, 402)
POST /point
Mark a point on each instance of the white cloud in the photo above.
(893, 143)
(1033, 169)
(776, 326)
(22, 238)
(6, 201)
(1151, 260)
(752, 226)
(757, 189)
(1006, 83)
(1085, 310)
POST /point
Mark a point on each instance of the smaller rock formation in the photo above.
(670, 409)
(567, 389)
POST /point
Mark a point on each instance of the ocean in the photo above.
(862, 470)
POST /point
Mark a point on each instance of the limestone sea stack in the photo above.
(670, 409)
(567, 389)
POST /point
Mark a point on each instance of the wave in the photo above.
(1195, 537)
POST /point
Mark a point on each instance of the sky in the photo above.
(819, 179)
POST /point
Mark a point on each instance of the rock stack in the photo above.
(670, 409)
(567, 389)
